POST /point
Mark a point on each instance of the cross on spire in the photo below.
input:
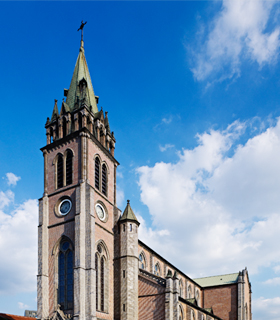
(82, 29)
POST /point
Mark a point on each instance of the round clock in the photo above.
(101, 213)
(65, 207)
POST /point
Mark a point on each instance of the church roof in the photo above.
(218, 280)
(81, 72)
(4, 316)
(128, 214)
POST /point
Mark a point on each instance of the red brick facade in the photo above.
(151, 300)
(223, 300)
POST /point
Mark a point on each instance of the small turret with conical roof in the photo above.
(129, 264)
(128, 214)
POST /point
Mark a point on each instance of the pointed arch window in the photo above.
(189, 292)
(102, 281)
(181, 315)
(97, 173)
(65, 276)
(157, 269)
(69, 165)
(97, 277)
(104, 179)
(59, 171)
(142, 262)
(181, 288)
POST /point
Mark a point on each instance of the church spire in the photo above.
(81, 89)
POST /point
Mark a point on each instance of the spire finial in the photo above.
(128, 201)
(82, 32)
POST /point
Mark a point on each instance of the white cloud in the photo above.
(223, 208)
(6, 198)
(167, 120)
(239, 31)
(12, 178)
(165, 147)
(120, 197)
(18, 248)
(274, 281)
(266, 308)
(21, 305)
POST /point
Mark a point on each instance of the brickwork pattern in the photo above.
(151, 300)
(223, 301)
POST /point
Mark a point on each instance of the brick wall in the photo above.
(151, 300)
(223, 301)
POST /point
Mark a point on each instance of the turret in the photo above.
(129, 264)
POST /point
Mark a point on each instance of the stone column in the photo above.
(240, 297)
(45, 153)
(80, 245)
(129, 270)
(175, 297)
(43, 256)
(169, 297)
(90, 303)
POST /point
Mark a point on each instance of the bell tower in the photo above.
(77, 212)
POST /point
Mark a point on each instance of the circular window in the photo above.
(100, 211)
(65, 207)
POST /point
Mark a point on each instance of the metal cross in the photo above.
(82, 29)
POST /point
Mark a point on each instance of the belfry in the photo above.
(91, 264)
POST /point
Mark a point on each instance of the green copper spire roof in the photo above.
(81, 72)
(128, 214)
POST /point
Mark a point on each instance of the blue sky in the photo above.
(192, 91)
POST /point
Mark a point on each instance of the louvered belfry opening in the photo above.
(69, 164)
(59, 171)
(104, 179)
(97, 173)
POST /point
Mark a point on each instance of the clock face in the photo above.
(100, 212)
(64, 207)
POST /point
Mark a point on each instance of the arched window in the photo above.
(189, 292)
(104, 179)
(69, 165)
(65, 276)
(192, 315)
(97, 173)
(197, 297)
(181, 288)
(59, 171)
(101, 261)
(142, 262)
(96, 284)
(51, 135)
(102, 280)
(157, 270)
(181, 315)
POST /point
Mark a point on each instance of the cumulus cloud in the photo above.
(241, 31)
(12, 179)
(18, 245)
(266, 308)
(21, 305)
(274, 281)
(218, 203)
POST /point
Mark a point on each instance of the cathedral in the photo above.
(91, 264)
